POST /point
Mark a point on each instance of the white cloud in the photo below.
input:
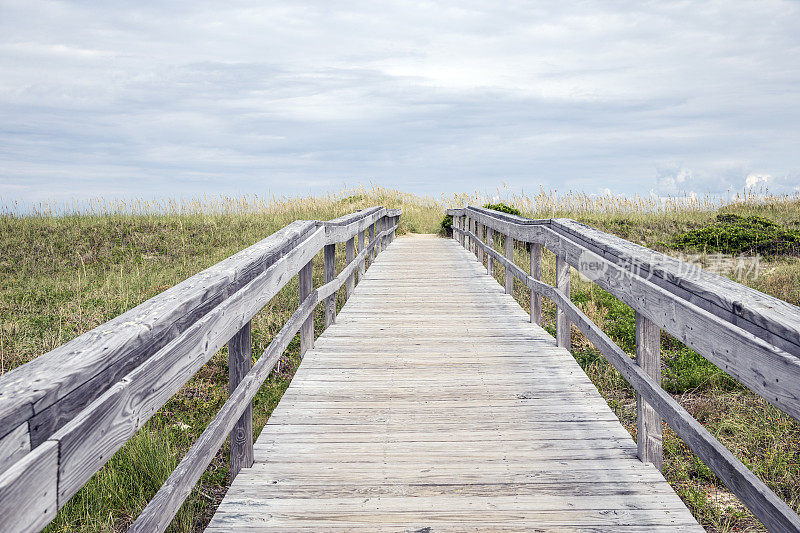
(430, 97)
(754, 179)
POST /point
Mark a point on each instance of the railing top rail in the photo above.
(39, 397)
(771, 319)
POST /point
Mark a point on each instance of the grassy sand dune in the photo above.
(66, 269)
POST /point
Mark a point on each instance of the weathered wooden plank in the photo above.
(306, 283)
(330, 274)
(648, 423)
(165, 504)
(55, 386)
(239, 364)
(766, 369)
(765, 316)
(489, 258)
(472, 396)
(536, 273)
(14, 446)
(563, 327)
(764, 504)
(350, 249)
(28, 495)
(362, 268)
(509, 249)
(89, 439)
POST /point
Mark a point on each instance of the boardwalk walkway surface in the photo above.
(434, 405)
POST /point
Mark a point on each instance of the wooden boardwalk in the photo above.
(434, 404)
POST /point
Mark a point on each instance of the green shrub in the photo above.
(446, 228)
(736, 234)
(504, 208)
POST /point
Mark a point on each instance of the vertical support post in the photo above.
(461, 224)
(563, 334)
(392, 223)
(239, 363)
(478, 249)
(373, 252)
(489, 258)
(510, 256)
(536, 273)
(362, 267)
(350, 253)
(330, 273)
(306, 278)
(648, 423)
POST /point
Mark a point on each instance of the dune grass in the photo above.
(66, 269)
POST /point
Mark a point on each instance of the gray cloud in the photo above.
(189, 98)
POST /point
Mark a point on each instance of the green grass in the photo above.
(62, 275)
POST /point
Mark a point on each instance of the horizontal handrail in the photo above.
(652, 300)
(188, 333)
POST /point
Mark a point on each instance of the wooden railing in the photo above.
(64, 414)
(752, 336)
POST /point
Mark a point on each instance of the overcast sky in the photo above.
(187, 98)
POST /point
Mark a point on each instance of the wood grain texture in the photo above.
(432, 402)
(563, 327)
(648, 423)
(536, 273)
(490, 244)
(764, 504)
(350, 252)
(54, 387)
(239, 364)
(362, 264)
(28, 495)
(766, 369)
(306, 285)
(330, 273)
(159, 513)
(509, 249)
(14, 446)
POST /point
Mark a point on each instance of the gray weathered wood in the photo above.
(306, 285)
(509, 245)
(28, 494)
(350, 250)
(536, 273)
(489, 258)
(369, 428)
(773, 512)
(362, 265)
(765, 316)
(239, 363)
(330, 273)
(765, 368)
(159, 513)
(55, 386)
(374, 250)
(479, 250)
(648, 423)
(89, 439)
(14, 446)
(563, 333)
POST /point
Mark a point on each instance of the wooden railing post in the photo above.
(362, 266)
(563, 334)
(462, 221)
(330, 273)
(239, 363)
(536, 273)
(350, 253)
(478, 249)
(306, 278)
(510, 256)
(490, 243)
(648, 422)
(373, 252)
